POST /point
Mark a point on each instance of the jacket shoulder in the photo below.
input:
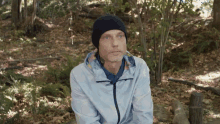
(139, 61)
(77, 69)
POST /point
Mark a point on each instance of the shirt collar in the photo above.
(94, 65)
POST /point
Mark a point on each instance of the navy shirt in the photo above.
(109, 75)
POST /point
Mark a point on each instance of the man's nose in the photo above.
(115, 41)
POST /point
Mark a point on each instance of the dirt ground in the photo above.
(205, 70)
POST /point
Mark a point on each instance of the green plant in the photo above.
(206, 41)
(34, 96)
(115, 6)
(56, 90)
(62, 74)
(12, 76)
(58, 8)
(14, 119)
(5, 105)
(45, 109)
(19, 33)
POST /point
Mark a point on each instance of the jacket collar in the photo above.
(92, 63)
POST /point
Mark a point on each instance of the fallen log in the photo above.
(96, 5)
(20, 60)
(214, 90)
(179, 113)
(124, 18)
(11, 68)
(16, 67)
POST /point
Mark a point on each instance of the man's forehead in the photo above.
(112, 32)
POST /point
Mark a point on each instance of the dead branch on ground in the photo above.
(20, 60)
(214, 90)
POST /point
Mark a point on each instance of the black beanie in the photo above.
(105, 23)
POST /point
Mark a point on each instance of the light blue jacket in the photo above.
(92, 93)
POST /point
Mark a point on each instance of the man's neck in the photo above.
(112, 67)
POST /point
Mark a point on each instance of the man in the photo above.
(111, 86)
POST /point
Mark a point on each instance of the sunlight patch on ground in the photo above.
(191, 90)
(29, 71)
(11, 113)
(15, 49)
(209, 77)
(20, 88)
(214, 115)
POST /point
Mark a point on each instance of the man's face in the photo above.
(112, 45)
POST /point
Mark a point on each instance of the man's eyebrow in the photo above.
(110, 34)
(120, 33)
(106, 35)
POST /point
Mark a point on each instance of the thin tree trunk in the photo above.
(34, 12)
(216, 14)
(167, 17)
(77, 9)
(15, 10)
(25, 10)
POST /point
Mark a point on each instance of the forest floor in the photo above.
(204, 71)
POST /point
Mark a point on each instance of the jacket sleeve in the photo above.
(84, 110)
(142, 101)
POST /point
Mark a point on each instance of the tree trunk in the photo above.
(34, 12)
(15, 12)
(77, 9)
(25, 10)
(216, 14)
(195, 108)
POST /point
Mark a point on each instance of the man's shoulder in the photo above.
(77, 69)
(134, 60)
(139, 61)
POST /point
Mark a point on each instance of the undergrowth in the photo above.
(26, 94)
(205, 40)
(61, 74)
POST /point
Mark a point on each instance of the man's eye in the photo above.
(106, 37)
(120, 36)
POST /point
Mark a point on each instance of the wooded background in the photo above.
(52, 37)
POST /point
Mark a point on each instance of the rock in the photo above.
(161, 113)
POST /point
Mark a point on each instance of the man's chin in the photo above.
(116, 59)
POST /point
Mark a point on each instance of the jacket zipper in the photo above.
(115, 100)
